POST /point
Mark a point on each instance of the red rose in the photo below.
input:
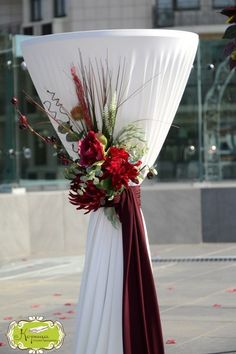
(119, 169)
(90, 150)
(91, 199)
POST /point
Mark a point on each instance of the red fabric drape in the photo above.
(142, 333)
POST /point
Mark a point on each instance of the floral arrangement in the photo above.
(106, 163)
(230, 33)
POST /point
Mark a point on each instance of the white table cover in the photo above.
(158, 60)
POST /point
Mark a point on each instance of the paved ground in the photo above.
(197, 296)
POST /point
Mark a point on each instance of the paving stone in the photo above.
(197, 299)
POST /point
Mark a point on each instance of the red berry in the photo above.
(14, 101)
(23, 121)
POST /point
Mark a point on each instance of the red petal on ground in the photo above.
(217, 305)
(2, 344)
(64, 318)
(35, 305)
(232, 290)
(68, 304)
(7, 318)
(70, 311)
(171, 341)
(56, 294)
(57, 313)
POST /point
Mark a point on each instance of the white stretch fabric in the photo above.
(158, 61)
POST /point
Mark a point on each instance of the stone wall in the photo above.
(45, 223)
(40, 223)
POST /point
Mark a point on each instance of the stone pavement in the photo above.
(197, 296)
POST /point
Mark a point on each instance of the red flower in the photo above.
(119, 169)
(90, 150)
(91, 199)
(82, 98)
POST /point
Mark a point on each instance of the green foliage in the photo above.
(132, 139)
(71, 135)
(63, 128)
(109, 118)
(112, 216)
(71, 171)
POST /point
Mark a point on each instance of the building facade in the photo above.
(36, 17)
(11, 16)
(200, 16)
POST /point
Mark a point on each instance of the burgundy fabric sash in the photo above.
(142, 333)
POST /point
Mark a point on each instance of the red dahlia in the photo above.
(91, 199)
(119, 169)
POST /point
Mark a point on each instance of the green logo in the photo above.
(36, 334)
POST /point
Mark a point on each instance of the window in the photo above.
(220, 4)
(47, 29)
(163, 14)
(59, 8)
(164, 4)
(186, 4)
(35, 7)
(28, 31)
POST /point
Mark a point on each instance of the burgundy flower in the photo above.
(119, 169)
(82, 98)
(91, 199)
(90, 150)
(230, 12)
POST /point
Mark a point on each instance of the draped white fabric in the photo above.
(158, 62)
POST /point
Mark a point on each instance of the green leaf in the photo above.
(63, 128)
(112, 217)
(73, 136)
(230, 32)
(68, 174)
(106, 184)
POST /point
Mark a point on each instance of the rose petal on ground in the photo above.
(70, 311)
(217, 305)
(68, 304)
(64, 318)
(56, 294)
(231, 290)
(57, 313)
(8, 318)
(171, 341)
(2, 344)
(35, 305)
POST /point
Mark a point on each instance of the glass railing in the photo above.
(202, 147)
